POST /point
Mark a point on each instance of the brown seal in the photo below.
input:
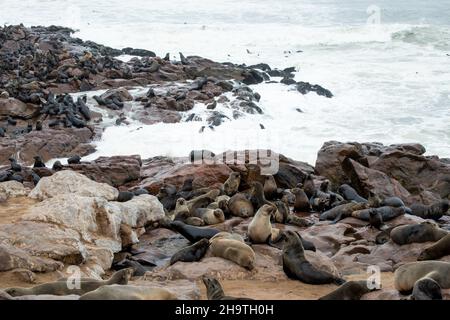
(191, 253)
(270, 188)
(309, 186)
(406, 276)
(214, 290)
(233, 250)
(231, 185)
(417, 233)
(301, 201)
(438, 250)
(351, 290)
(342, 211)
(434, 211)
(129, 292)
(260, 228)
(240, 206)
(210, 216)
(257, 196)
(61, 288)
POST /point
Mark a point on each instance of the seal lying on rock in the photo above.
(350, 194)
(192, 253)
(214, 290)
(351, 290)
(233, 250)
(61, 288)
(210, 216)
(417, 233)
(231, 185)
(128, 292)
(297, 267)
(193, 234)
(434, 211)
(240, 206)
(406, 276)
(342, 211)
(426, 289)
(438, 250)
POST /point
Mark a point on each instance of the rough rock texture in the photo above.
(70, 182)
(12, 189)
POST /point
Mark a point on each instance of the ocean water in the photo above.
(386, 62)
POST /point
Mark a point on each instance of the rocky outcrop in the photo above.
(12, 189)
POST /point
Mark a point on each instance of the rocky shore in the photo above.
(167, 228)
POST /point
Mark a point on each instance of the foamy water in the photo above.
(390, 81)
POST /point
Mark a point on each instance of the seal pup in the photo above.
(351, 290)
(406, 276)
(193, 234)
(434, 211)
(57, 166)
(260, 228)
(350, 194)
(191, 253)
(210, 216)
(375, 219)
(270, 188)
(214, 290)
(38, 163)
(234, 250)
(438, 250)
(181, 210)
(202, 201)
(60, 287)
(240, 206)
(342, 211)
(257, 195)
(296, 266)
(14, 165)
(231, 185)
(74, 159)
(308, 186)
(129, 292)
(301, 201)
(417, 233)
(282, 212)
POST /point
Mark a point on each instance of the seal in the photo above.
(195, 221)
(434, 211)
(351, 290)
(350, 194)
(296, 266)
(231, 185)
(38, 163)
(234, 250)
(14, 165)
(301, 201)
(426, 289)
(57, 166)
(386, 213)
(298, 221)
(74, 159)
(417, 233)
(438, 250)
(257, 195)
(125, 196)
(210, 216)
(202, 201)
(406, 276)
(181, 210)
(191, 253)
(140, 191)
(129, 292)
(282, 212)
(260, 228)
(193, 234)
(167, 195)
(270, 188)
(342, 211)
(375, 219)
(309, 187)
(221, 203)
(60, 287)
(393, 202)
(240, 206)
(214, 290)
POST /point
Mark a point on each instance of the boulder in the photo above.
(16, 108)
(70, 182)
(12, 189)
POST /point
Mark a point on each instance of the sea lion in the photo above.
(15, 167)
(309, 187)
(296, 266)
(417, 233)
(301, 201)
(74, 159)
(434, 211)
(234, 250)
(202, 201)
(57, 166)
(60, 287)
(282, 212)
(270, 188)
(191, 253)
(129, 292)
(375, 219)
(438, 250)
(125, 196)
(260, 228)
(38, 163)
(257, 195)
(210, 216)
(406, 276)
(193, 234)
(240, 206)
(426, 289)
(351, 290)
(214, 290)
(342, 211)
(350, 194)
(221, 203)
(181, 210)
(231, 185)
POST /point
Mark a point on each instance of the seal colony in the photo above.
(163, 222)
